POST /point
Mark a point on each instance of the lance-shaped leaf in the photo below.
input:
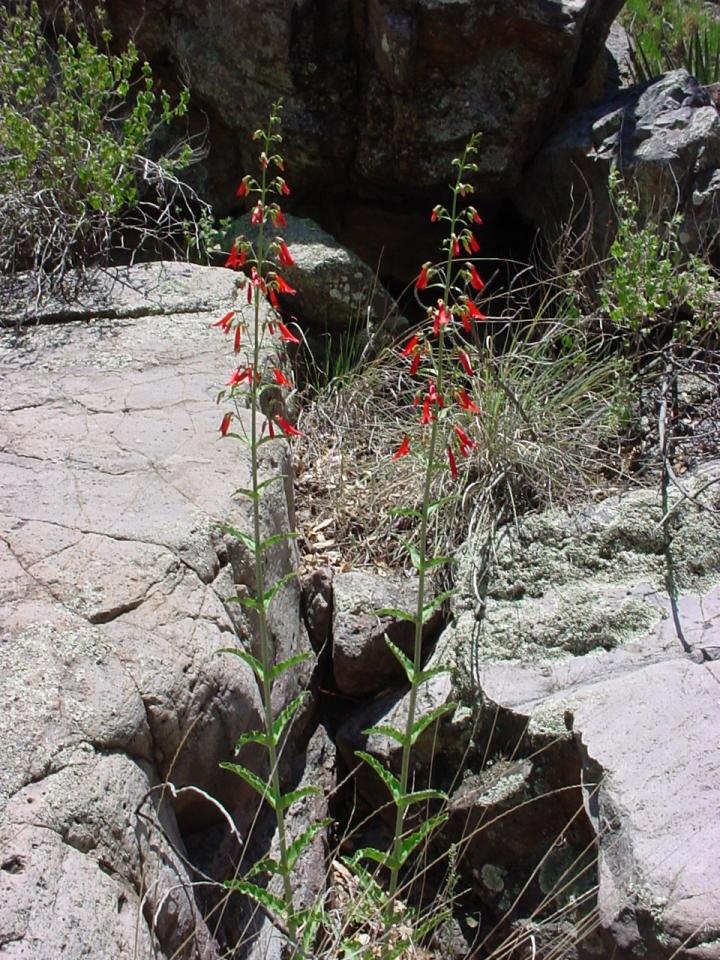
(277, 538)
(254, 664)
(436, 602)
(390, 781)
(254, 736)
(303, 840)
(278, 585)
(256, 494)
(368, 853)
(385, 731)
(404, 661)
(275, 905)
(286, 715)
(405, 512)
(266, 865)
(252, 778)
(239, 535)
(422, 723)
(436, 505)
(426, 675)
(287, 799)
(395, 612)
(288, 664)
(251, 602)
(408, 844)
(420, 796)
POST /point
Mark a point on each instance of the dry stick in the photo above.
(666, 444)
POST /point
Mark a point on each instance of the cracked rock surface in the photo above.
(114, 582)
(586, 735)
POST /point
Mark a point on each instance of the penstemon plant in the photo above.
(442, 366)
(260, 351)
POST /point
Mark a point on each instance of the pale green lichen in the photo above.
(493, 877)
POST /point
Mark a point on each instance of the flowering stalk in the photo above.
(248, 381)
(429, 354)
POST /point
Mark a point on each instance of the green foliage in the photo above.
(76, 127)
(669, 34)
(648, 281)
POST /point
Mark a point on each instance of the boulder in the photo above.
(569, 676)
(379, 95)
(664, 136)
(116, 585)
(362, 661)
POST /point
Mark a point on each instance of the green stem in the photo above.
(422, 550)
(266, 653)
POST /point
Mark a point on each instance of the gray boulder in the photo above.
(378, 95)
(664, 136)
(568, 674)
(115, 590)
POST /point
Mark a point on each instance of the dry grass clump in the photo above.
(546, 434)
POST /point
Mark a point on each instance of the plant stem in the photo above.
(266, 653)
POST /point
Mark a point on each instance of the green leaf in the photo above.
(426, 675)
(405, 512)
(286, 715)
(254, 736)
(420, 796)
(278, 585)
(248, 658)
(384, 731)
(287, 799)
(301, 842)
(277, 538)
(266, 865)
(288, 664)
(422, 723)
(436, 505)
(436, 602)
(275, 905)
(395, 612)
(408, 844)
(239, 535)
(252, 778)
(402, 659)
(368, 853)
(251, 602)
(390, 781)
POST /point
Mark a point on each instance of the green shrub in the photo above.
(669, 34)
(77, 125)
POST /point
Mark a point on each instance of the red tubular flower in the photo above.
(467, 403)
(434, 215)
(477, 218)
(471, 244)
(236, 258)
(277, 217)
(453, 465)
(249, 293)
(466, 443)
(284, 257)
(415, 363)
(239, 376)
(465, 363)
(238, 334)
(403, 450)
(257, 215)
(433, 395)
(476, 281)
(473, 310)
(224, 322)
(283, 286)
(286, 334)
(456, 247)
(272, 297)
(243, 189)
(284, 189)
(465, 317)
(225, 425)
(280, 379)
(410, 346)
(425, 418)
(442, 318)
(422, 280)
(287, 428)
